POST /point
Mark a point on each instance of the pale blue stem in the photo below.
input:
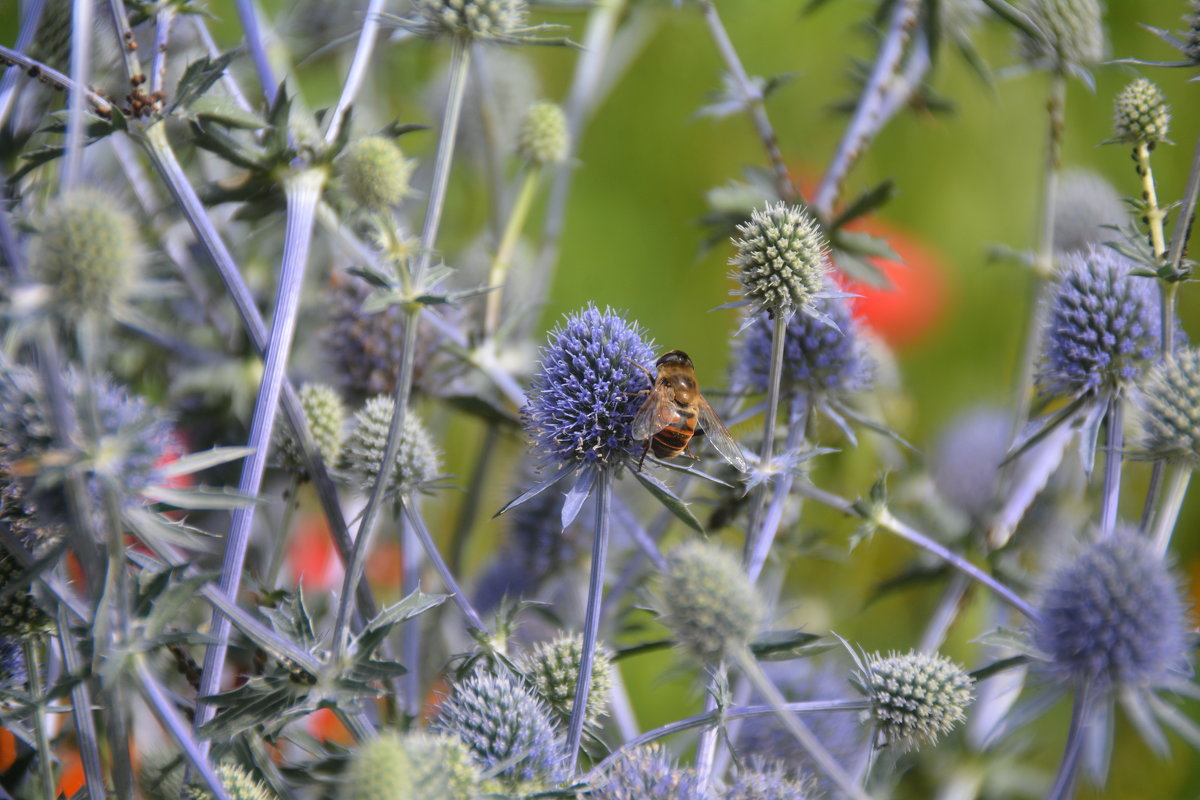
(591, 623)
(81, 712)
(408, 506)
(163, 20)
(33, 669)
(1168, 512)
(31, 16)
(163, 157)
(81, 54)
(302, 191)
(1065, 780)
(210, 47)
(410, 637)
(358, 69)
(797, 427)
(195, 752)
(248, 16)
(766, 454)
(874, 100)
(799, 731)
(1111, 496)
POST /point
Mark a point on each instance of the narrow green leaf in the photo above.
(669, 500)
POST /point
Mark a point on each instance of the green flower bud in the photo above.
(443, 767)
(239, 783)
(381, 770)
(554, 669)
(914, 697)
(1071, 36)
(781, 260)
(87, 251)
(375, 172)
(1170, 405)
(325, 417)
(417, 460)
(1141, 114)
(487, 19)
(708, 601)
(543, 138)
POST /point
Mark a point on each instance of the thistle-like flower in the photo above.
(501, 21)
(1070, 37)
(587, 390)
(417, 461)
(1170, 404)
(325, 418)
(380, 768)
(543, 138)
(553, 667)
(767, 781)
(708, 602)
(1084, 204)
(375, 172)
(509, 731)
(1191, 42)
(1113, 618)
(88, 251)
(1141, 114)
(915, 697)
(648, 772)
(443, 767)
(818, 359)
(781, 261)
(1102, 326)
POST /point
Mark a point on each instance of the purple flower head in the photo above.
(1113, 617)
(649, 772)
(587, 390)
(817, 357)
(1102, 325)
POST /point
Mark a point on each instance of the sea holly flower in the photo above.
(1141, 114)
(501, 21)
(915, 697)
(1170, 403)
(649, 772)
(1066, 36)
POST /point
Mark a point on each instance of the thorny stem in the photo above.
(54, 78)
(159, 149)
(177, 727)
(133, 64)
(1073, 749)
(508, 245)
(248, 16)
(1111, 496)
(591, 624)
(302, 190)
(884, 519)
(778, 336)
(714, 717)
(1186, 214)
(799, 731)
(413, 515)
(1043, 265)
(1168, 512)
(869, 115)
(358, 69)
(29, 647)
(753, 100)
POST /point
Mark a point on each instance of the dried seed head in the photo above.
(1141, 114)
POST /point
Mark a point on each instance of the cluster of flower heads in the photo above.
(1113, 617)
(587, 389)
(509, 731)
(818, 358)
(1102, 324)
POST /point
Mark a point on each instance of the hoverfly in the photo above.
(675, 411)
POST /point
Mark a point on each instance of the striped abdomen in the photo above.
(673, 439)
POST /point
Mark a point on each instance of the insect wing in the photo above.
(719, 435)
(655, 414)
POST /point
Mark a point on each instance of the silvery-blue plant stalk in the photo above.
(210, 47)
(358, 69)
(411, 513)
(248, 16)
(1111, 492)
(591, 623)
(29, 648)
(81, 711)
(177, 728)
(164, 17)
(1064, 780)
(31, 17)
(410, 637)
(460, 62)
(797, 425)
(753, 99)
(302, 191)
(81, 54)
(755, 532)
(1168, 511)
(874, 101)
(158, 148)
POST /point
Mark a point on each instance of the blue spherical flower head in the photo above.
(1113, 617)
(649, 772)
(818, 358)
(587, 390)
(1102, 325)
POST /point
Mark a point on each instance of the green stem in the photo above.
(799, 731)
(34, 670)
(1168, 512)
(591, 624)
(508, 245)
